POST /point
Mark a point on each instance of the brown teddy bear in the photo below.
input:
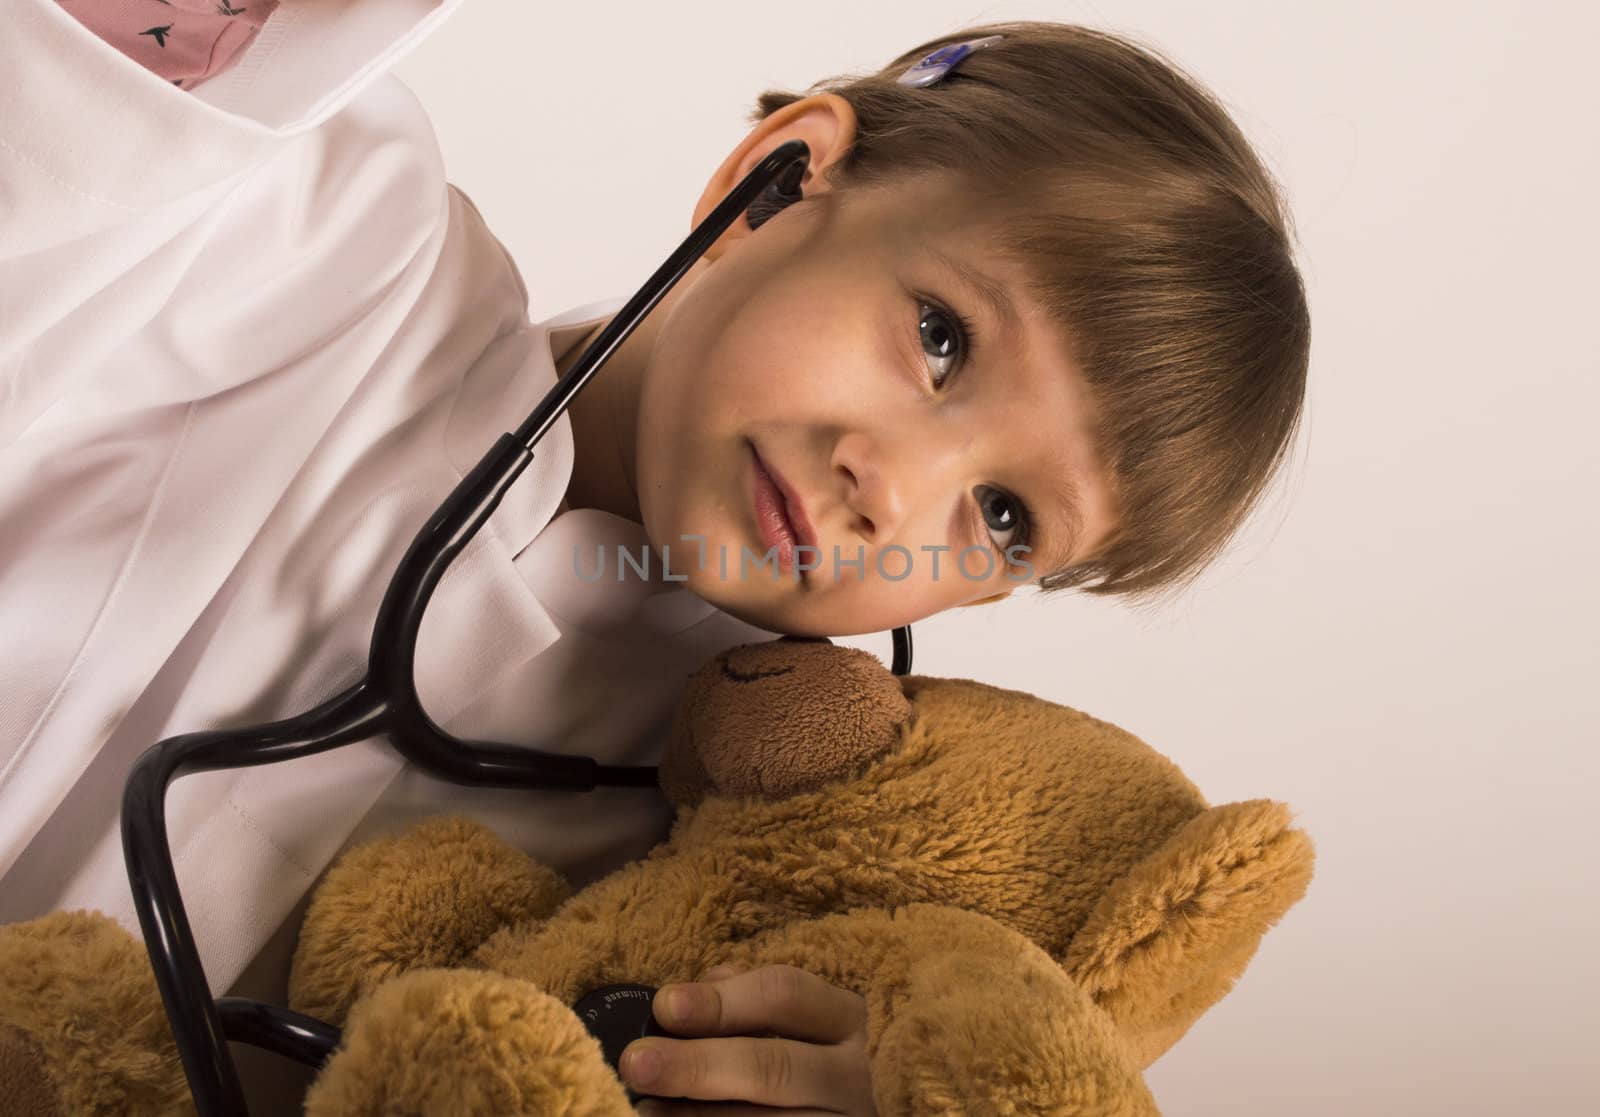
(1034, 905)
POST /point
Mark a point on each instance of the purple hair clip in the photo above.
(936, 66)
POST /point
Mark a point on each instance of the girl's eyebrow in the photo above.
(977, 282)
(1063, 490)
(1062, 486)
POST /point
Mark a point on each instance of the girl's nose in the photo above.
(869, 492)
(888, 476)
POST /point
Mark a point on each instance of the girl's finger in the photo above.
(783, 1000)
(761, 1072)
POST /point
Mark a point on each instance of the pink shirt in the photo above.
(185, 41)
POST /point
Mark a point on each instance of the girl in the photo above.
(1035, 323)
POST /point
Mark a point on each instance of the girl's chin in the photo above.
(775, 607)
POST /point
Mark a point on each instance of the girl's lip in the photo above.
(780, 518)
(793, 508)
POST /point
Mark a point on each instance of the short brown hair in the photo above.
(1152, 234)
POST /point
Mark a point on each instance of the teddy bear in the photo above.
(1034, 905)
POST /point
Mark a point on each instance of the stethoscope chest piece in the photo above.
(616, 1015)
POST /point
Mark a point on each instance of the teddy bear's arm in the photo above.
(1171, 937)
(426, 898)
(965, 1015)
(466, 1043)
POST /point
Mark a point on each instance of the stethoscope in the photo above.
(386, 702)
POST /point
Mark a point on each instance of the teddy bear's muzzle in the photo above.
(780, 717)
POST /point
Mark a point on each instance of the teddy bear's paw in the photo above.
(465, 1043)
(425, 899)
(82, 1029)
(981, 1020)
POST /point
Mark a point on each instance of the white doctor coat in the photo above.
(249, 339)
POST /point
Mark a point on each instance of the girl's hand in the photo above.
(801, 1047)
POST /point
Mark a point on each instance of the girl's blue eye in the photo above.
(944, 338)
(1001, 513)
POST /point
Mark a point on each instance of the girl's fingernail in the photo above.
(679, 1004)
(716, 973)
(641, 1067)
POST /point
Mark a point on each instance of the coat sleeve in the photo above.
(116, 186)
(191, 293)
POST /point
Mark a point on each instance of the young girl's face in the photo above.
(828, 347)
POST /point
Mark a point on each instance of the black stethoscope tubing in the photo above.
(385, 701)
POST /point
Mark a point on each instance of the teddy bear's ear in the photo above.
(1170, 938)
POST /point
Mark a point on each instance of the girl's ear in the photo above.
(825, 121)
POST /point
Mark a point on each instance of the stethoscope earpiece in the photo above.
(778, 195)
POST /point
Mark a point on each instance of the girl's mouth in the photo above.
(778, 519)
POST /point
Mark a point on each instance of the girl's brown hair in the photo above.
(1155, 238)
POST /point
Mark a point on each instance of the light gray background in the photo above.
(1403, 644)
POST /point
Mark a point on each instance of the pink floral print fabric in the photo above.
(184, 41)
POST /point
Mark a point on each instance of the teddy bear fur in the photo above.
(82, 1028)
(1033, 903)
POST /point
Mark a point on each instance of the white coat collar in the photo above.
(315, 56)
(556, 549)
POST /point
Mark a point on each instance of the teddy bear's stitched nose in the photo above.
(773, 658)
(735, 675)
